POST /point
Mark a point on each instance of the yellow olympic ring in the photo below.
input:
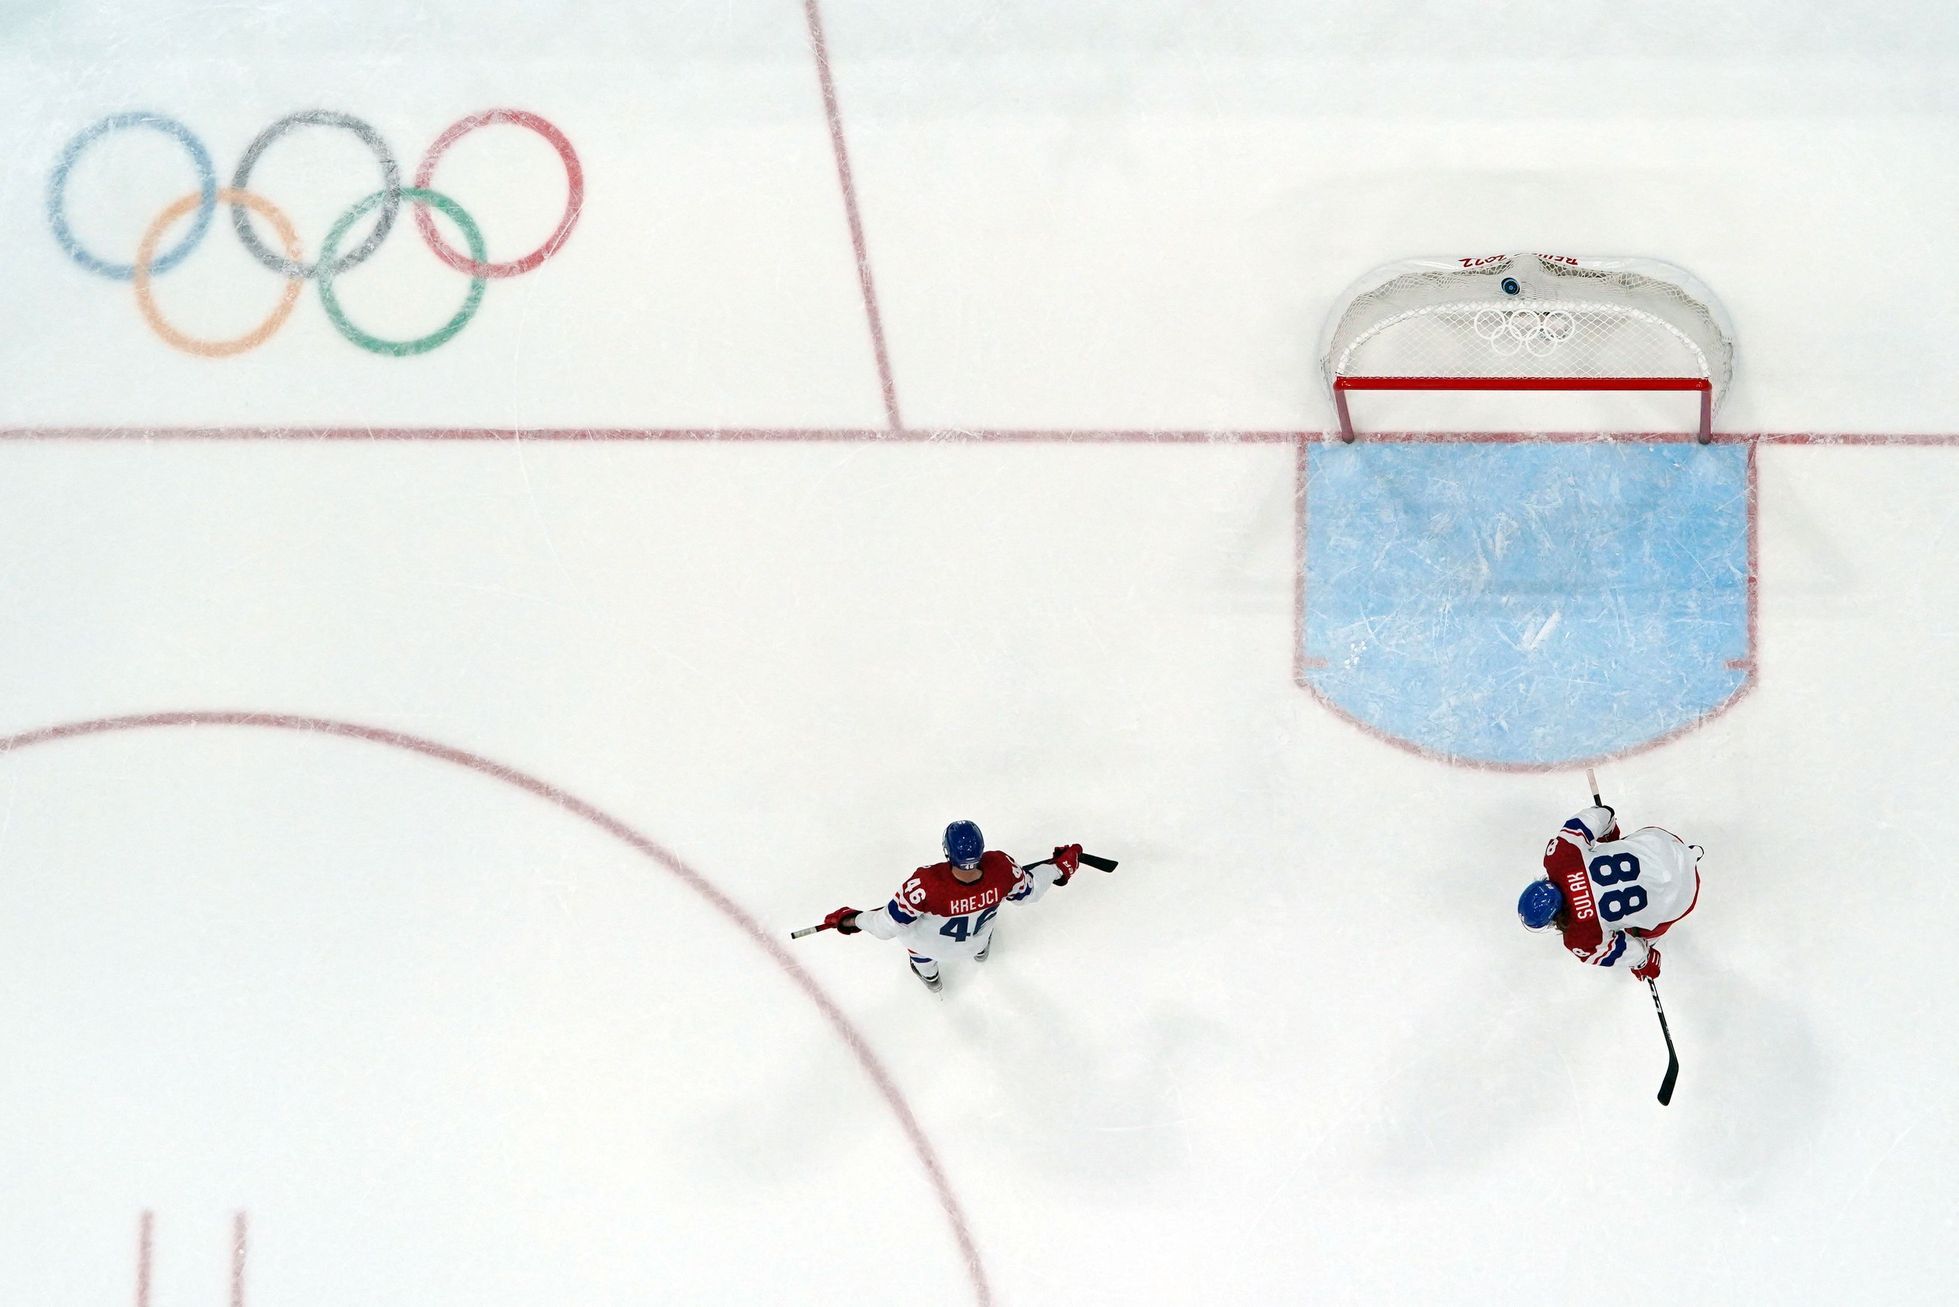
(212, 349)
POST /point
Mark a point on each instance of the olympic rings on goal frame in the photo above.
(330, 264)
(1536, 332)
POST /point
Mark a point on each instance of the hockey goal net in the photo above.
(1529, 322)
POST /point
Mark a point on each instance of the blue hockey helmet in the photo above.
(1539, 905)
(963, 845)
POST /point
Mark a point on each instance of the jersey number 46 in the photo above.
(960, 927)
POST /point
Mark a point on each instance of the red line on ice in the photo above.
(652, 435)
(1300, 660)
(945, 435)
(845, 180)
(1748, 663)
(1113, 436)
(717, 899)
(145, 1232)
(238, 1260)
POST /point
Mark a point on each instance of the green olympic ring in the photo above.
(206, 198)
(328, 272)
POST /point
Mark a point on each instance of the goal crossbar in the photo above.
(1343, 384)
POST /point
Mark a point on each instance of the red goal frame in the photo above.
(1343, 384)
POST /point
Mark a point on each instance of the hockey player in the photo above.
(947, 909)
(1609, 895)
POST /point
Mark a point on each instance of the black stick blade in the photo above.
(1100, 864)
(1673, 1058)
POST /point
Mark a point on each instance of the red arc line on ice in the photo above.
(733, 912)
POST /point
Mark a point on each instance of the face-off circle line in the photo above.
(146, 302)
(390, 183)
(57, 198)
(574, 193)
(373, 344)
(718, 899)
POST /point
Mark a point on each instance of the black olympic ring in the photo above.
(202, 202)
(390, 185)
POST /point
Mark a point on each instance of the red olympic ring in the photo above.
(574, 197)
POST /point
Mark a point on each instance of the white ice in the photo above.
(445, 1041)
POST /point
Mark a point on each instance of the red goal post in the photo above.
(1528, 322)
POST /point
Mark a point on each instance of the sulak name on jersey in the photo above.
(1577, 893)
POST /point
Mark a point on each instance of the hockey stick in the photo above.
(1100, 864)
(1673, 1058)
(1088, 860)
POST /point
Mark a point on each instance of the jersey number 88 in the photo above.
(1610, 869)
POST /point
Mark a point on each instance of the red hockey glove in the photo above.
(1068, 861)
(1649, 969)
(843, 921)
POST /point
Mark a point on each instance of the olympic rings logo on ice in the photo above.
(201, 204)
(1528, 331)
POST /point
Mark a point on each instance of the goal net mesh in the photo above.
(1530, 317)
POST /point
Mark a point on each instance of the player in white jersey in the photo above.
(947, 909)
(1608, 895)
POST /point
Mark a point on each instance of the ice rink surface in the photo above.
(413, 760)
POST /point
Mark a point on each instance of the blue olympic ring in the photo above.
(207, 185)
